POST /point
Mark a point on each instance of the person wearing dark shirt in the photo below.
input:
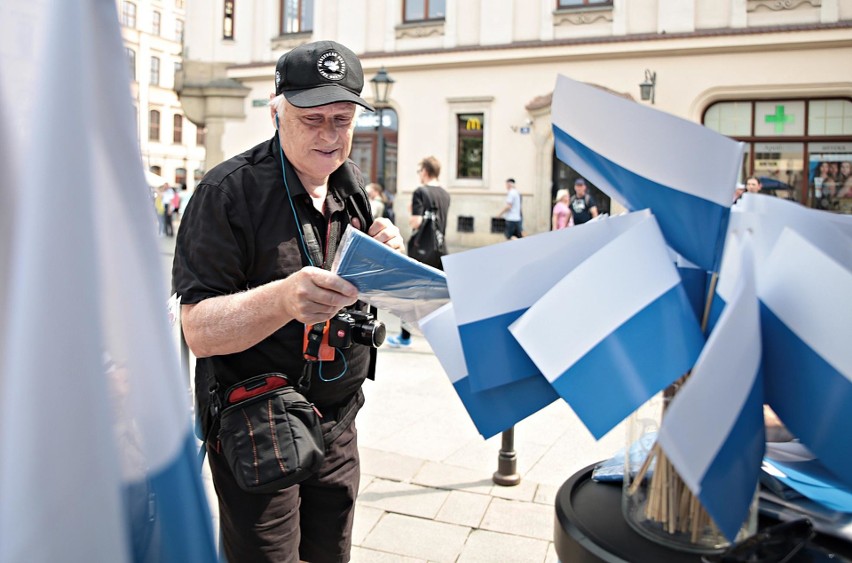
(584, 208)
(251, 269)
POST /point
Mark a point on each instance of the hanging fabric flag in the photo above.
(97, 453)
(491, 410)
(622, 350)
(712, 432)
(644, 158)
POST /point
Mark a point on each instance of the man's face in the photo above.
(752, 185)
(317, 140)
(580, 189)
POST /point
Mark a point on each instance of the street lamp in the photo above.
(382, 84)
(646, 88)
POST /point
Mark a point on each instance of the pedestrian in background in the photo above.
(429, 195)
(584, 208)
(562, 218)
(512, 211)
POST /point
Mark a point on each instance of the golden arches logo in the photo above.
(473, 124)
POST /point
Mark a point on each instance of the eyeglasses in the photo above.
(776, 544)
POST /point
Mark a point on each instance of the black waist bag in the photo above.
(270, 434)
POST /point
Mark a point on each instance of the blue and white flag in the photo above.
(607, 357)
(806, 320)
(97, 453)
(492, 286)
(491, 410)
(712, 432)
(797, 468)
(645, 158)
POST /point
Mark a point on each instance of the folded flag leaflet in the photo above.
(110, 474)
(683, 172)
(634, 344)
(712, 432)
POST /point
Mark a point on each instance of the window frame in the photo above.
(469, 105)
(177, 129)
(154, 125)
(575, 4)
(304, 10)
(156, 23)
(426, 17)
(229, 17)
(131, 59)
(128, 14)
(154, 74)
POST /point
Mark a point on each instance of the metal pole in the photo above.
(507, 462)
(380, 169)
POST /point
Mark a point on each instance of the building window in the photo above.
(178, 68)
(131, 60)
(800, 149)
(179, 4)
(470, 129)
(200, 136)
(465, 224)
(498, 225)
(560, 4)
(297, 16)
(156, 20)
(228, 21)
(177, 129)
(423, 10)
(155, 71)
(180, 177)
(179, 31)
(128, 14)
(153, 125)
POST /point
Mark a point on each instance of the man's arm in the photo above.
(594, 211)
(232, 323)
(228, 324)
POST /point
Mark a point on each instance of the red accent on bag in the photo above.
(244, 392)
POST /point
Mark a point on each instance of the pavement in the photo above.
(427, 493)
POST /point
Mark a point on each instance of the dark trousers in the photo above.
(311, 521)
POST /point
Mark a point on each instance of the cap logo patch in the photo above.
(277, 79)
(331, 66)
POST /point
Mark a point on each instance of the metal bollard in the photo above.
(507, 462)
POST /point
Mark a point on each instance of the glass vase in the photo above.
(655, 501)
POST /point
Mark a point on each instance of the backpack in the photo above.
(427, 243)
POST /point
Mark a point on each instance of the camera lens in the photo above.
(369, 333)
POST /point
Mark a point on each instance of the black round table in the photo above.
(590, 528)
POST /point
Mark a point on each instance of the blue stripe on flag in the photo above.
(694, 282)
(495, 410)
(694, 227)
(492, 354)
(185, 530)
(641, 357)
(736, 467)
(808, 394)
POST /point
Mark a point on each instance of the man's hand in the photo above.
(386, 232)
(383, 231)
(313, 295)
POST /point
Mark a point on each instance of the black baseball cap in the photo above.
(318, 74)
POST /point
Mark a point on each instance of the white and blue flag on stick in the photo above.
(492, 286)
(610, 356)
(97, 453)
(806, 320)
(491, 410)
(712, 432)
(644, 158)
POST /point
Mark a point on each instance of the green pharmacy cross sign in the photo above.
(779, 118)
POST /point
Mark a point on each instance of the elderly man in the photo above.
(252, 270)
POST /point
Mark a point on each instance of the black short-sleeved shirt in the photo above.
(238, 232)
(581, 208)
(440, 201)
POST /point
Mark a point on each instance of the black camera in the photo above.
(351, 325)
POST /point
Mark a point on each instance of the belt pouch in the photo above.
(270, 434)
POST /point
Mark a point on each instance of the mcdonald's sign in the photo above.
(473, 124)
